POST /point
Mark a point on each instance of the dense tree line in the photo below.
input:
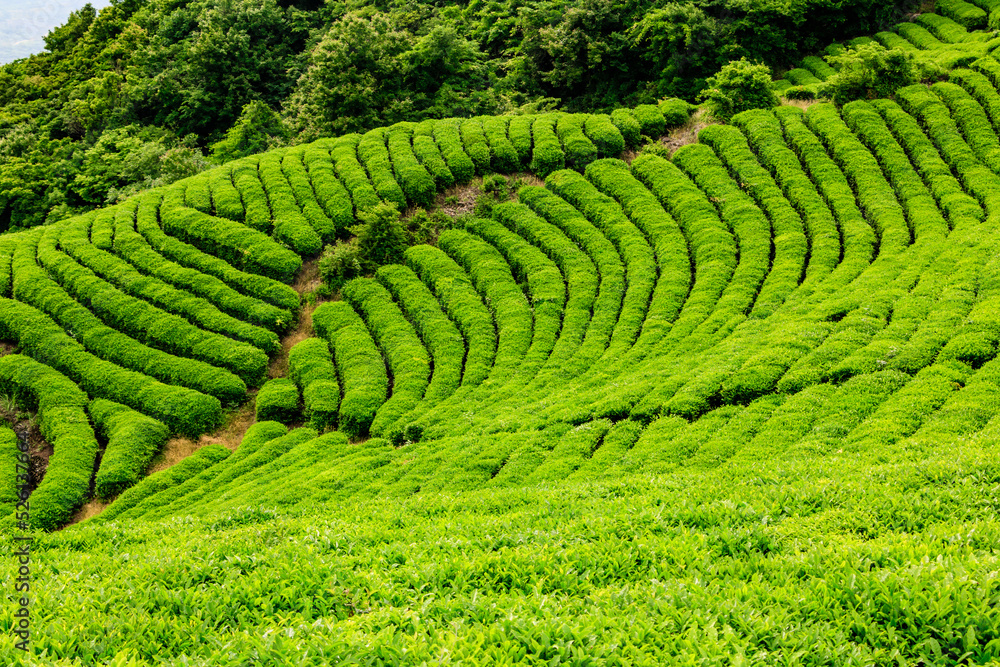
(145, 92)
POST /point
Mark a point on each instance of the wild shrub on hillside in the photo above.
(381, 237)
(739, 86)
(869, 71)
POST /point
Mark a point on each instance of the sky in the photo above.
(24, 24)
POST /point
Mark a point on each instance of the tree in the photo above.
(381, 237)
(739, 86)
(256, 130)
(867, 72)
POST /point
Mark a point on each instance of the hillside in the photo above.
(738, 405)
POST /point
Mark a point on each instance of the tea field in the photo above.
(738, 406)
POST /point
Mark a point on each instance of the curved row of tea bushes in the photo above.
(236, 468)
(802, 77)
(891, 40)
(374, 154)
(981, 89)
(920, 206)
(640, 262)
(570, 452)
(604, 257)
(271, 479)
(290, 227)
(651, 120)
(197, 193)
(102, 231)
(278, 400)
(988, 67)
(504, 157)
(749, 225)
(676, 111)
(164, 480)
(605, 136)
(344, 152)
(197, 310)
(195, 488)
(183, 410)
(492, 277)
(310, 366)
(294, 169)
(358, 362)
(226, 200)
(475, 145)
(579, 272)
(519, 133)
(453, 289)
(407, 357)
(628, 125)
(429, 155)
(7, 245)
(247, 180)
(64, 424)
(819, 67)
(449, 139)
(133, 440)
(976, 128)
(437, 332)
(712, 245)
(579, 150)
(33, 286)
(147, 323)
(857, 238)
(613, 178)
(11, 476)
(787, 230)
(874, 193)
(919, 37)
(763, 133)
(933, 116)
(416, 181)
(967, 17)
(328, 191)
(239, 245)
(546, 288)
(547, 153)
(136, 250)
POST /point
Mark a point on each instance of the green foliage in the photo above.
(257, 129)
(278, 400)
(869, 71)
(380, 237)
(310, 366)
(340, 262)
(739, 86)
(133, 439)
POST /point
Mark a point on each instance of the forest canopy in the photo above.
(136, 95)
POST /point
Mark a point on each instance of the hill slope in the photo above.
(735, 406)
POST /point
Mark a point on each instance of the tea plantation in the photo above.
(739, 406)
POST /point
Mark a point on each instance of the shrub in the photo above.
(339, 263)
(133, 439)
(965, 14)
(330, 191)
(173, 476)
(547, 155)
(278, 400)
(259, 300)
(310, 365)
(580, 151)
(10, 472)
(625, 121)
(345, 159)
(306, 193)
(519, 131)
(362, 369)
(601, 130)
(430, 156)
(675, 112)
(475, 144)
(416, 181)
(504, 157)
(869, 71)
(739, 86)
(407, 357)
(449, 140)
(381, 238)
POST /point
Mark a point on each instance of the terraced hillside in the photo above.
(748, 395)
